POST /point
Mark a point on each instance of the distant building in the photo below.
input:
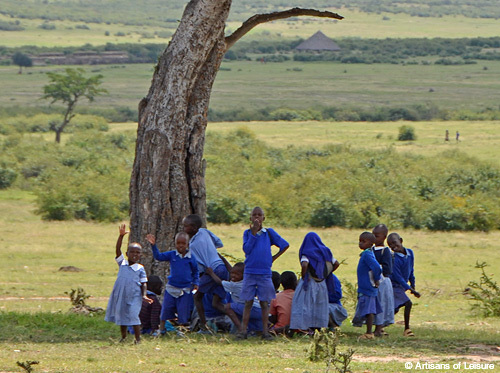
(319, 42)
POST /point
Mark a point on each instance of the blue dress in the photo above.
(125, 301)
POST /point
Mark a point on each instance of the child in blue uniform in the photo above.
(183, 278)
(204, 245)
(385, 295)
(368, 270)
(257, 279)
(337, 311)
(130, 289)
(402, 274)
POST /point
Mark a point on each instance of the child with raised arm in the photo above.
(257, 279)
(385, 295)
(182, 280)
(204, 245)
(130, 289)
(368, 273)
(402, 274)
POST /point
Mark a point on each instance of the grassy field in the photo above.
(298, 85)
(355, 24)
(30, 282)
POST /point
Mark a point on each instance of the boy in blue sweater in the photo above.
(182, 280)
(368, 270)
(401, 275)
(257, 279)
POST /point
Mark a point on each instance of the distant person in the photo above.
(281, 307)
(204, 245)
(336, 310)
(368, 273)
(310, 302)
(130, 288)
(183, 279)
(257, 279)
(457, 137)
(447, 136)
(385, 295)
(403, 272)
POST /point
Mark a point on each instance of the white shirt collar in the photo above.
(379, 247)
(187, 255)
(124, 262)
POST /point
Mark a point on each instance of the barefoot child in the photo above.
(130, 289)
(257, 279)
(183, 278)
(368, 305)
(402, 274)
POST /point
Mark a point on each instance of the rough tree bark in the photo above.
(167, 180)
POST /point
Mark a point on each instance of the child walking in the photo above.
(368, 280)
(130, 289)
(402, 274)
(183, 278)
(204, 244)
(257, 279)
(385, 295)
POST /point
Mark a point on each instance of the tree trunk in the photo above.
(167, 180)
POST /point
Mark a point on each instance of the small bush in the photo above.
(7, 177)
(328, 214)
(406, 133)
(485, 293)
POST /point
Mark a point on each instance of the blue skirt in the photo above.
(337, 312)
(310, 307)
(366, 305)
(400, 297)
(386, 299)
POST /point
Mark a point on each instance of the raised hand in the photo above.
(151, 239)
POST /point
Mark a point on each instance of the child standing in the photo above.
(385, 295)
(402, 273)
(310, 302)
(204, 244)
(336, 310)
(257, 279)
(281, 306)
(130, 289)
(182, 280)
(368, 270)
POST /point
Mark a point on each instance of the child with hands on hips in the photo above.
(183, 278)
(125, 301)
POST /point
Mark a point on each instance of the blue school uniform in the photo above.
(310, 302)
(367, 293)
(257, 279)
(385, 294)
(337, 312)
(125, 301)
(238, 305)
(403, 272)
(178, 299)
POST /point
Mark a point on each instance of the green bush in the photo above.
(406, 133)
(7, 177)
(328, 214)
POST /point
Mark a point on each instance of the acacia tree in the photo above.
(69, 88)
(21, 60)
(167, 180)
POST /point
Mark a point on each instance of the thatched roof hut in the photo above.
(318, 42)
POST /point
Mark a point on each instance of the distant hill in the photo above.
(161, 12)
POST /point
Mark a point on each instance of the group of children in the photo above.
(203, 284)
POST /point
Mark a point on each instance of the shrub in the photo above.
(7, 177)
(485, 293)
(406, 133)
(328, 214)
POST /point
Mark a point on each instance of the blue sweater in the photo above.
(183, 270)
(403, 270)
(258, 256)
(336, 295)
(384, 257)
(367, 262)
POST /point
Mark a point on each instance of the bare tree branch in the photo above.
(269, 17)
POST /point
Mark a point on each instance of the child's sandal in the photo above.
(366, 336)
(408, 333)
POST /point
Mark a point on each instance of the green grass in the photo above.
(253, 85)
(33, 250)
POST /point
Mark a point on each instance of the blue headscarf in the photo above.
(318, 254)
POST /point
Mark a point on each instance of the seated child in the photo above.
(281, 306)
(276, 277)
(402, 273)
(368, 270)
(150, 312)
(177, 300)
(337, 312)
